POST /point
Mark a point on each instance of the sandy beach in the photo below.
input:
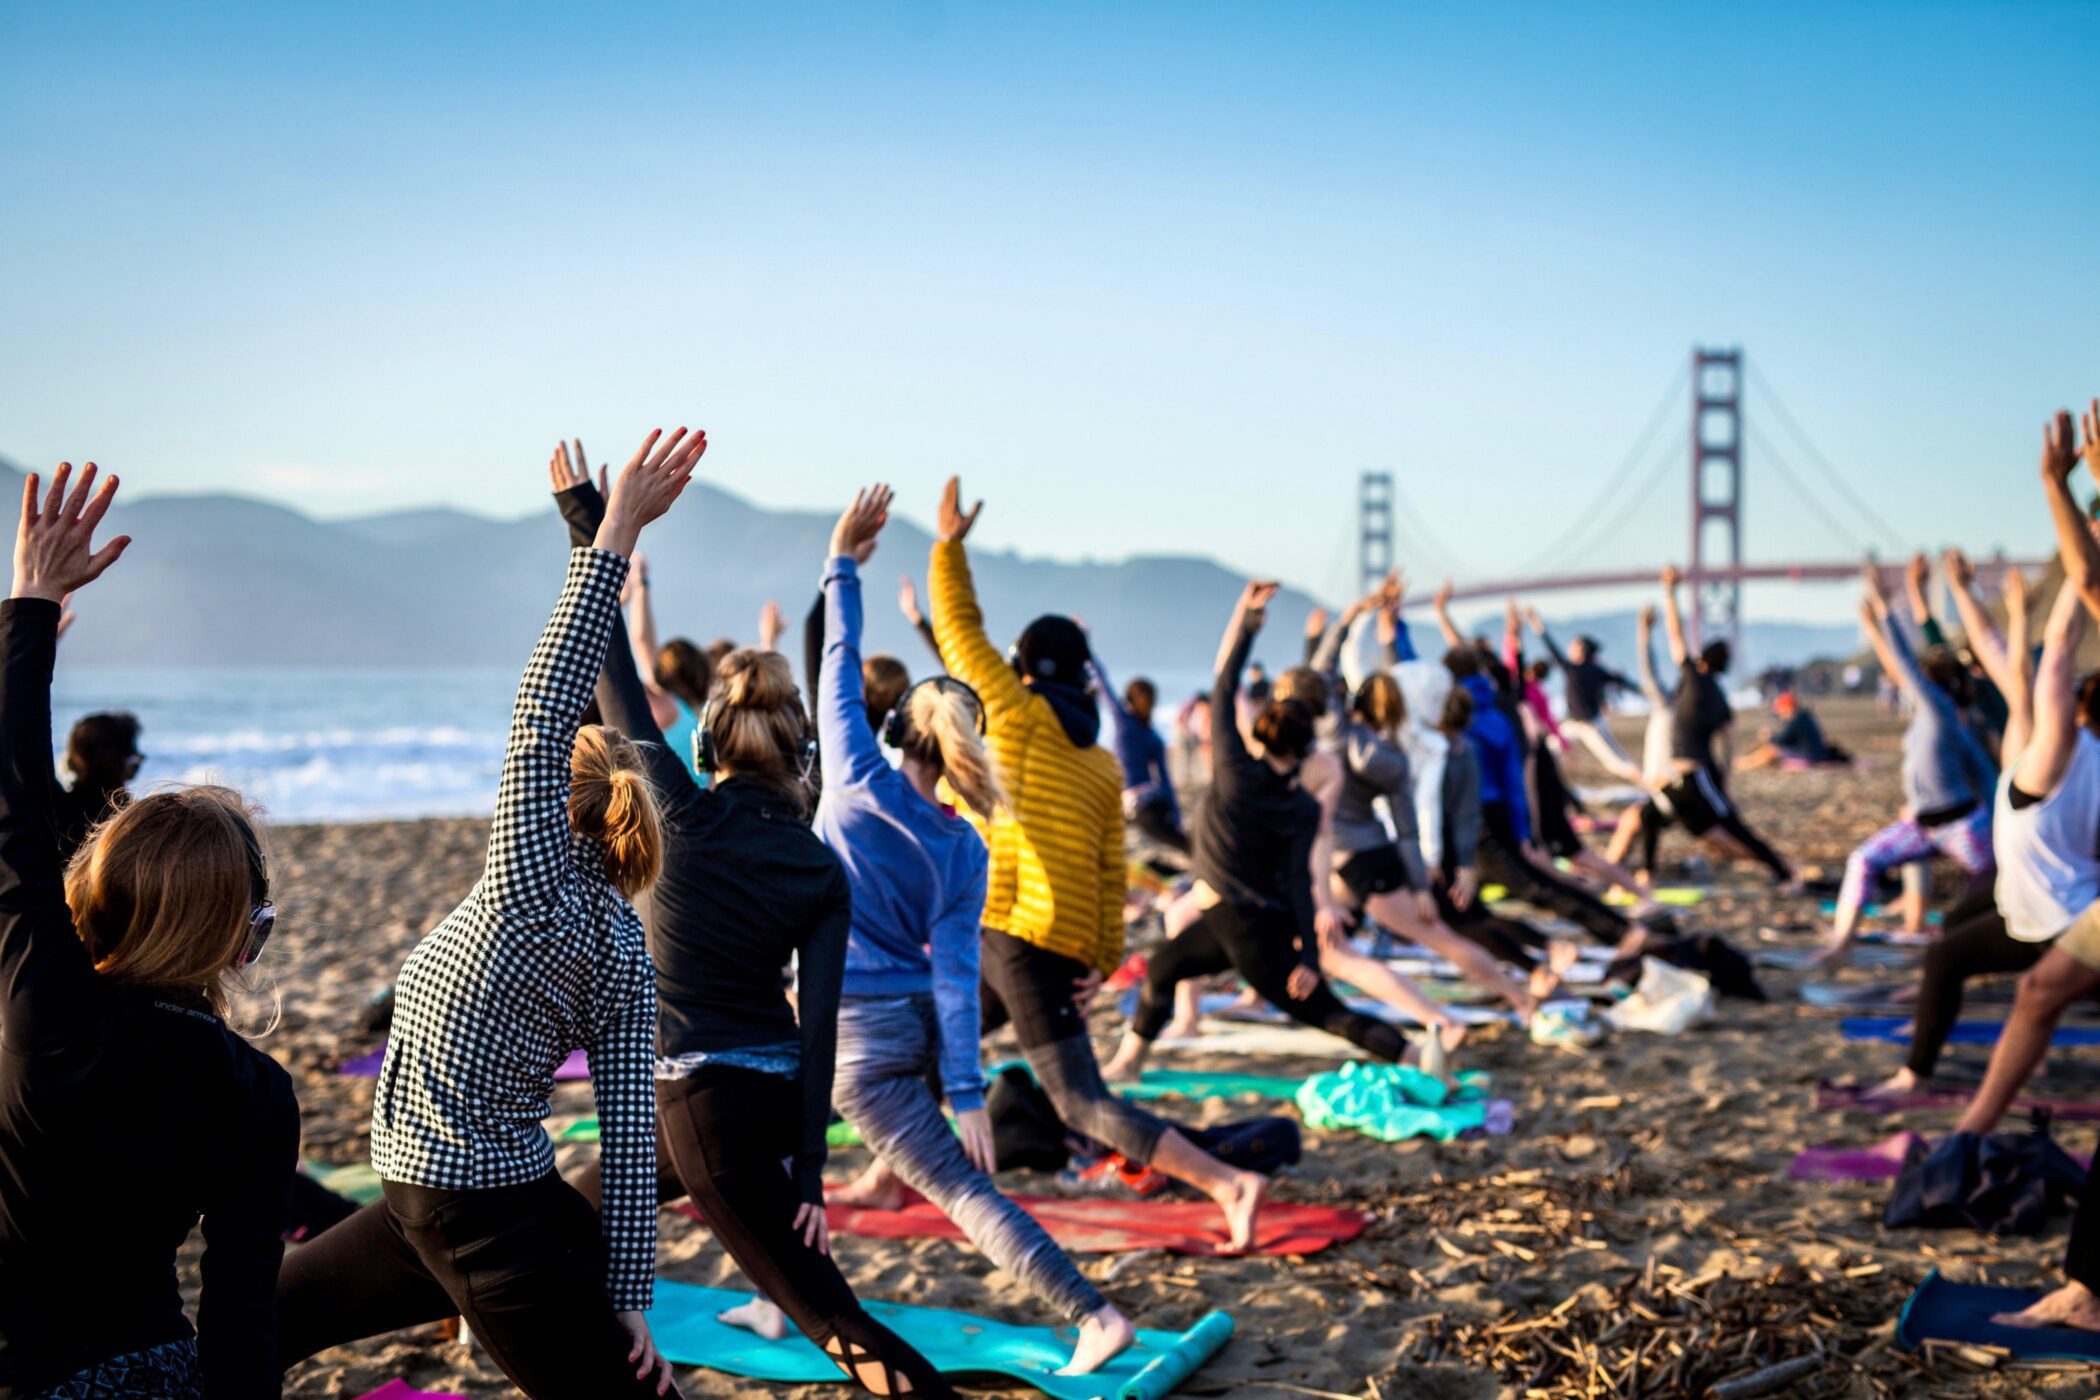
(1640, 1206)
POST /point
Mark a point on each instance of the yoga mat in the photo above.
(356, 1182)
(1584, 973)
(399, 1390)
(1584, 952)
(839, 1134)
(1837, 1161)
(1878, 911)
(1846, 1096)
(1101, 1225)
(683, 1324)
(1862, 955)
(1897, 1029)
(1680, 898)
(367, 1066)
(1225, 1038)
(1942, 1310)
(1227, 1007)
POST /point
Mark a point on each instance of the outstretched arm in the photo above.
(1673, 620)
(851, 752)
(47, 983)
(1442, 604)
(958, 623)
(582, 505)
(1916, 575)
(1247, 617)
(2019, 669)
(908, 604)
(1651, 684)
(2055, 736)
(1976, 624)
(2074, 537)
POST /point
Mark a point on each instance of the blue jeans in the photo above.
(888, 1049)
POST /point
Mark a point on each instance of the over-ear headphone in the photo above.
(262, 917)
(893, 723)
(704, 757)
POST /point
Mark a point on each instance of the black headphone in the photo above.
(262, 917)
(893, 723)
(705, 758)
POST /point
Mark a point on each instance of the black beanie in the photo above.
(1052, 648)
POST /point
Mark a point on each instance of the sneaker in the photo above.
(1565, 1032)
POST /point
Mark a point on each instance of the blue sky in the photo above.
(1154, 278)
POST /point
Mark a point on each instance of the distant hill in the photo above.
(220, 580)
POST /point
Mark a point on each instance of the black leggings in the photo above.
(1033, 987)
(1257, 944)
(1976, 946)
(2082, 1255)
(722, 1134)
(524, 1265)
(1158, 820)
(1509, 940)
(1502, 860)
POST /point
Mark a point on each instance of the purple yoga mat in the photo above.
(1835, 1161)
(399, 1390)
(367, 1066)
(1841, 1096)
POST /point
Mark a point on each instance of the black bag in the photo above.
(1027, 1134)
(2004, 1184)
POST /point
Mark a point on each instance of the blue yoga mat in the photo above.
(684, 1326)
(1945, 1311)
(1897, 1029)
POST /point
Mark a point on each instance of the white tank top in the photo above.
(2049, 851)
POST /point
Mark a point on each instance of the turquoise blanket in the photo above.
(1396, 1102)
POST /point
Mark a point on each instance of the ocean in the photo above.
(342, 745)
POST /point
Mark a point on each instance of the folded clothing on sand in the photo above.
(685, 1329)
(1394, 1102)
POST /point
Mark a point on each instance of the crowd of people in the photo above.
(757, 904)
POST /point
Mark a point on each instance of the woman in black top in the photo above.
(742, 1082)
(1253, 850)
(119, 1081)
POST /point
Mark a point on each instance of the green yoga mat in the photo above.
(683, 1324)
(839, 1134)
(357, 1182)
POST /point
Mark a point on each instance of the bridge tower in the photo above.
(1717, 495)
(1374, 518)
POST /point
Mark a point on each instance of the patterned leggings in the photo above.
(1966, 841)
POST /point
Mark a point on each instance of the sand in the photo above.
(1676, 1150)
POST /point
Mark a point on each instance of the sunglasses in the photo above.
(262, 922)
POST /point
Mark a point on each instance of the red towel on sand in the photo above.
(1094, 1225)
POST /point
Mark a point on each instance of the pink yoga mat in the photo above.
(398, 1390)
(1094, 1225)
(1837, 1161)
(1843, 1096)
(367, 1066)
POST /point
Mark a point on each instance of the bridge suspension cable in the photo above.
(1578, 531)
(1864, 512)
(1769, 455)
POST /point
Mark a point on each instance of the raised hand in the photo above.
(862, 521)
(1958, 567)
(1671, 578)
(1444, 591)
(1917, 573)
(565, 473)
(1648, 615)
(2015, 587)
(1509, 614)
(1316, 623)
(2060, 446)
(770, 626)
(637, 578)
(1534, 621)
(1254, 603)
(908, 601)
(651, 481)
(1874, 588)
(2090, 421)
(54, 545)
(951, 524)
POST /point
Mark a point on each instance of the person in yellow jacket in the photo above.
(1053, 912)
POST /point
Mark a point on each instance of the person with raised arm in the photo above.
(1053, 918)
(1948, 779)
(1255, 840)
(119, 1077)
(1586, 689)
(909, 1012)
(744, 1076)
(545, 956)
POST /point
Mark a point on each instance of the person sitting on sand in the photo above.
(544, 956)
(744, 1076)
(121, 1081)
(1797, 742)
(909, 1009)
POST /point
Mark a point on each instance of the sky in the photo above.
(1152, 278)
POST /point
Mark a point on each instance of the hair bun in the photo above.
(758, 680)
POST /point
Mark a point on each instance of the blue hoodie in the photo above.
(917, 870)
(1501, 755)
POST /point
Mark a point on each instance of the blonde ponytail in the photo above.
(940, 728)
(611, 801)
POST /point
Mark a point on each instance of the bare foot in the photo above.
(1895, 1086)
(1121, 1069)
(2073, 1305)
(760, 1315)
(1103, 1336)
(1241, 1201)
(1180, 1029)
(877, 1188)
